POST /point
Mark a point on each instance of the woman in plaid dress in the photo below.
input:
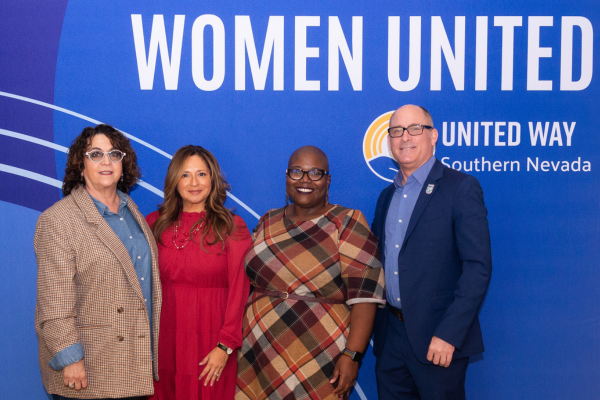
(317, 281)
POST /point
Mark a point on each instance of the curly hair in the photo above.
(219, 220)
(74, 166)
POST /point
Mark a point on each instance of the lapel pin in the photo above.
(429, 189)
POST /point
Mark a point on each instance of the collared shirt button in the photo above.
(404, 196)
(145, 299)
(398, 299)
(397, 246)
(130, 237)
(395, 272)
(142, 278)
(121, 219)
(139, 257)
(400, 220)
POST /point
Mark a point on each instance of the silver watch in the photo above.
(224, 348)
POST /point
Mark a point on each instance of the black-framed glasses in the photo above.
(113, 155)
(314, 174)
(413, 130)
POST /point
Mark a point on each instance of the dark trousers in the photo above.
(59, 397)
(401, 376)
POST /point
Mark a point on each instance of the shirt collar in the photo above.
(420, 174)
(104, 210)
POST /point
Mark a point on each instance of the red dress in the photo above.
(204, 294)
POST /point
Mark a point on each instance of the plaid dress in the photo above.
(290, 346)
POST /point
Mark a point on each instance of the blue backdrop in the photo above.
(510, 86)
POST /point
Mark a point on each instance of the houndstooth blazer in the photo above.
(88, 292)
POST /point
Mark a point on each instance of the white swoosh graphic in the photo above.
(36, 176)
(94, 121)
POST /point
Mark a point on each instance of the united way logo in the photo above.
(376, 151)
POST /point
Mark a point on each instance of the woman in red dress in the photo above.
(201, 248)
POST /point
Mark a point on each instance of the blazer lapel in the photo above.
(389, 195)
(156, 286)
(145, 228)
(437, 171)
(139, 217)
(107, 236)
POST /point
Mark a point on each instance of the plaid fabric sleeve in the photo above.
(260, 226)
(56, 293)
(359, 257)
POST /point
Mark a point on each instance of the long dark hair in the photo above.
(218, 219)
(74, 167)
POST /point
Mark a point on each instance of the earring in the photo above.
(287, 199)
(327, 198)
(122, 177)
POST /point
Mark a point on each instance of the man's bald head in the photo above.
(411, 151)
(315, 153)
(406, 107)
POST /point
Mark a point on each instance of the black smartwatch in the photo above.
(355, 356)
(224, 348)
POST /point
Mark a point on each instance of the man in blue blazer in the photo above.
(435, 245)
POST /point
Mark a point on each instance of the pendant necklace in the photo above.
(189, 236)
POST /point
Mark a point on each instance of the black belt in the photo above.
(397, 312)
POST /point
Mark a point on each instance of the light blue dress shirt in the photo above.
(128, 230)
(396, 224)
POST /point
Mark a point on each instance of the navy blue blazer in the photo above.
(445, 264)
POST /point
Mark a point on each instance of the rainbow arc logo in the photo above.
(375, 148)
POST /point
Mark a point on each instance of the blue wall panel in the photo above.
(67, 65)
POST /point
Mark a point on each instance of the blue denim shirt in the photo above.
(127, 229)
(396, 224)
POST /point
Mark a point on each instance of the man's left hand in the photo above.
(440, 352)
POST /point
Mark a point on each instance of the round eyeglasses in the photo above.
(113, 155)
(314, 174)
(413, 130)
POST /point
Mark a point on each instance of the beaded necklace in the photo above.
(185, 240)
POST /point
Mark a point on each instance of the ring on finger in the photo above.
(217, 374)
(71, 385)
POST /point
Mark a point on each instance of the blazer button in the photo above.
(120, 310)
(120, 338)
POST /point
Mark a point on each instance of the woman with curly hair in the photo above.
(98, 287)
(201, 247)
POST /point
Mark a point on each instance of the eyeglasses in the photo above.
(413, 130)
(113, 155)
(314, 174)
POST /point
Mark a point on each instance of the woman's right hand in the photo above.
(74, 376)
(215, 362)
